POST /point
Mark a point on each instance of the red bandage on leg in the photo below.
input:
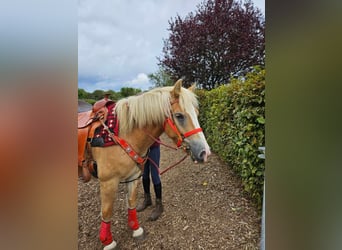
(132, 219)
(105, 233)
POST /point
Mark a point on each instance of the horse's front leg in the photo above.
(138, 232)
(108, 190)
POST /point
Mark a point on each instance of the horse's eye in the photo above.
(180, 117)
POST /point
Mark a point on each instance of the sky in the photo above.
(119, 41)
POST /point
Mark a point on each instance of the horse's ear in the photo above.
(177, 88)
(192, 87)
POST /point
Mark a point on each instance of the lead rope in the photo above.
(160, 142)
(169, 167)
(169, 146)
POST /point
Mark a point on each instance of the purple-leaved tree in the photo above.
(223, 38)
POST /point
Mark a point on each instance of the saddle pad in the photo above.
(113, 125)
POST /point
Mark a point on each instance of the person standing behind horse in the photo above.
(153, 168)
(107, 96)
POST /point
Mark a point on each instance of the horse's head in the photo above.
(183, 126)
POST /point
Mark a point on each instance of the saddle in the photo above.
(88, 121)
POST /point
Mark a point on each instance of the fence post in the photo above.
(262, 241)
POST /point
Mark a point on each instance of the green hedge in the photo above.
(233, 119)
(91, 101)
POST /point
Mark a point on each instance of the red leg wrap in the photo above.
(132, 219)
(105, 233)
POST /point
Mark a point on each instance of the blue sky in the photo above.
(118, 41)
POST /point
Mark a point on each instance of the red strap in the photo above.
(129, 150)
(168, 168)
(174, 128)
(192, 132)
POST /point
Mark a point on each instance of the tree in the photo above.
(82, 94)
(127, 91)
(97, 94)
(161, 78)
(223, 38)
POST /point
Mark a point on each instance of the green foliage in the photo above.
(161, 78)
(127, 91)
(233, 118)
(99, 94)
(91, 101)
(82, 94)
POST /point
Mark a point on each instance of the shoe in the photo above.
(147, 202)
(157, 211)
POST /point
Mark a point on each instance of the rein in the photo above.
(180, 141)
(169, 167)
(160, 142)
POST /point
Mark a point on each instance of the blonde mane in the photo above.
(150, 108)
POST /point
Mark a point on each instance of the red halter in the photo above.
(172, 125)
(174, 128)
(192, 132)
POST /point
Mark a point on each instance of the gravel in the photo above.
(205, 207)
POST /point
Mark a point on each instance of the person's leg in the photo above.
(146, 185)
(146, 178)
(155, 156)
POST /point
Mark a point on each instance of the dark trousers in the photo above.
(150, 168)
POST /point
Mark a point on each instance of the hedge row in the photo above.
(233, 119)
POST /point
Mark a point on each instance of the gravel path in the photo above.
(204, 208)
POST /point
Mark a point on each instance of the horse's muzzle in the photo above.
(198, 153)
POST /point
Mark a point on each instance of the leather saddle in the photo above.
(89, 119)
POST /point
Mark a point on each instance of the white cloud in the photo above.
(118, 41)
(141, 81)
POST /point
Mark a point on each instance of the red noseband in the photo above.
(192, 132)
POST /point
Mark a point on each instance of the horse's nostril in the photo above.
(202, 155)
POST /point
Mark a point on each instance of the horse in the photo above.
(142, 118)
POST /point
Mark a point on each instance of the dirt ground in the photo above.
(204, 208)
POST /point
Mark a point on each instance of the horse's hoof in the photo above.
(112, 246)
(139, 234)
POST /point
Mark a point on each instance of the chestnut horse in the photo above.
(172, 110)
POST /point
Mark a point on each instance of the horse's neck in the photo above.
(141, 139)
